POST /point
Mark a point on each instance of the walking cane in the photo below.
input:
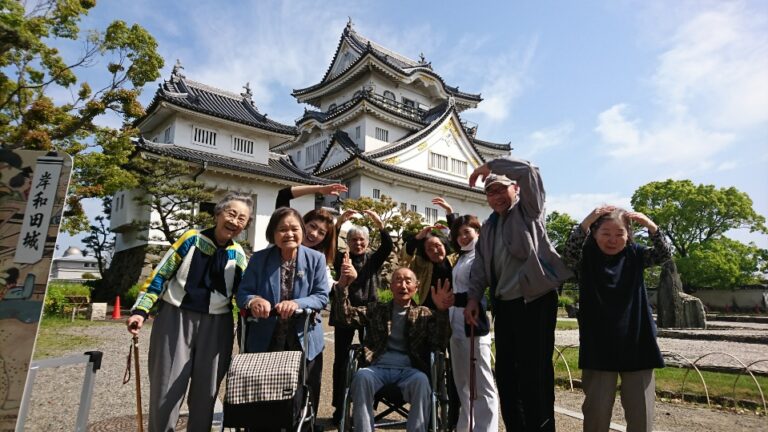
(472, 378)
(139, 416)
(127, 377)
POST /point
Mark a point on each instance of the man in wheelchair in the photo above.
(399, 337)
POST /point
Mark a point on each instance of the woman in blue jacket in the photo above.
(286, 276)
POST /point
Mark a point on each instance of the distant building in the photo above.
(73, 265)
(384, 125)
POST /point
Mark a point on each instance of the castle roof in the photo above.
(279, 166)
(202, 98)
(365, 48)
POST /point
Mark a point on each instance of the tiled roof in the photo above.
(493, 145)
(392, 107)
(204, 99)
(346, 142)
(438, 120)
(279, 166)
(402, 64)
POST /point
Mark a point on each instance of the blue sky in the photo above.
(604, 96)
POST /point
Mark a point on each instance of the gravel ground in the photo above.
(56, 393)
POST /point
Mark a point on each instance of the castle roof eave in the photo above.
(279, 167)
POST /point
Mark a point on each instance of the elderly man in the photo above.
(399, 337)
(514, 258)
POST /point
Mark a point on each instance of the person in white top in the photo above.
(464, 232)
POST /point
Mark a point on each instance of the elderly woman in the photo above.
(617, 333)
(362, 290)
(192, 335)
(286, 276)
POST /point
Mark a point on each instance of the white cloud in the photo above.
(578, 205)
(500, 77)
(715, 67)
(548, 138)
(675, 141)
(710, 90)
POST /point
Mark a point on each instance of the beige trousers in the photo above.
(638, 393)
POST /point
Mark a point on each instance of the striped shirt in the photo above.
(195, 275)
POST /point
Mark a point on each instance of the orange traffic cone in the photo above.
(116, 310)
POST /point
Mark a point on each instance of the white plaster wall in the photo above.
(224, 138)
(423, 198)
(370, 124)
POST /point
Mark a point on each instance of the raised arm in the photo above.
(661, 250)
(526, 175)
(285, 195)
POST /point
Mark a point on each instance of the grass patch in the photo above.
(670, 379)
(567, 325)
(58, 336)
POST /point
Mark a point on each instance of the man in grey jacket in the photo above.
(514, 258)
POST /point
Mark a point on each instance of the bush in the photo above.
(385, 295)
(130, 296)
(56, 293)
(89, 276)
(564, 301)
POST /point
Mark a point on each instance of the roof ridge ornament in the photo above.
(176, 73)
(451, 101)
(422, 59)
(350, 24)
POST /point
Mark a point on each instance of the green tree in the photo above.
(399, 222)
(693, 214)
(32, 68)
(696, 218)
(723, 263)
(559, 227)
(167, 187)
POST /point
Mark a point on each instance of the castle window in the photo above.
(315, 152)
(438, 162)
(414, 208)
(202, 136)
(382, 134)
(409, 103)
(357, 132)
(430, 214)
(167, 135)
(403, 207)
(298, 156)
(389, 95)
(376, 193)
(459, 167)
(242, 145)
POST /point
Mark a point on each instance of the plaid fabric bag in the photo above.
(263, 390)
(261, 377)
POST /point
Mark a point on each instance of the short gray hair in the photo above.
(223, 204)
(355, 231)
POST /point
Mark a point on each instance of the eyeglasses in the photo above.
(497, 190)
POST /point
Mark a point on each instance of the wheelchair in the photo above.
(391, 397)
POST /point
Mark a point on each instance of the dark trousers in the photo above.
(314, 379)
(525, 340)
(342, 339)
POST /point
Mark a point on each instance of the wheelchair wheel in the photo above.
(345, 423)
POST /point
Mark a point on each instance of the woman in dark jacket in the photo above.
(616, 329)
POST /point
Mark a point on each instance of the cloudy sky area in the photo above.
(604, 96)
